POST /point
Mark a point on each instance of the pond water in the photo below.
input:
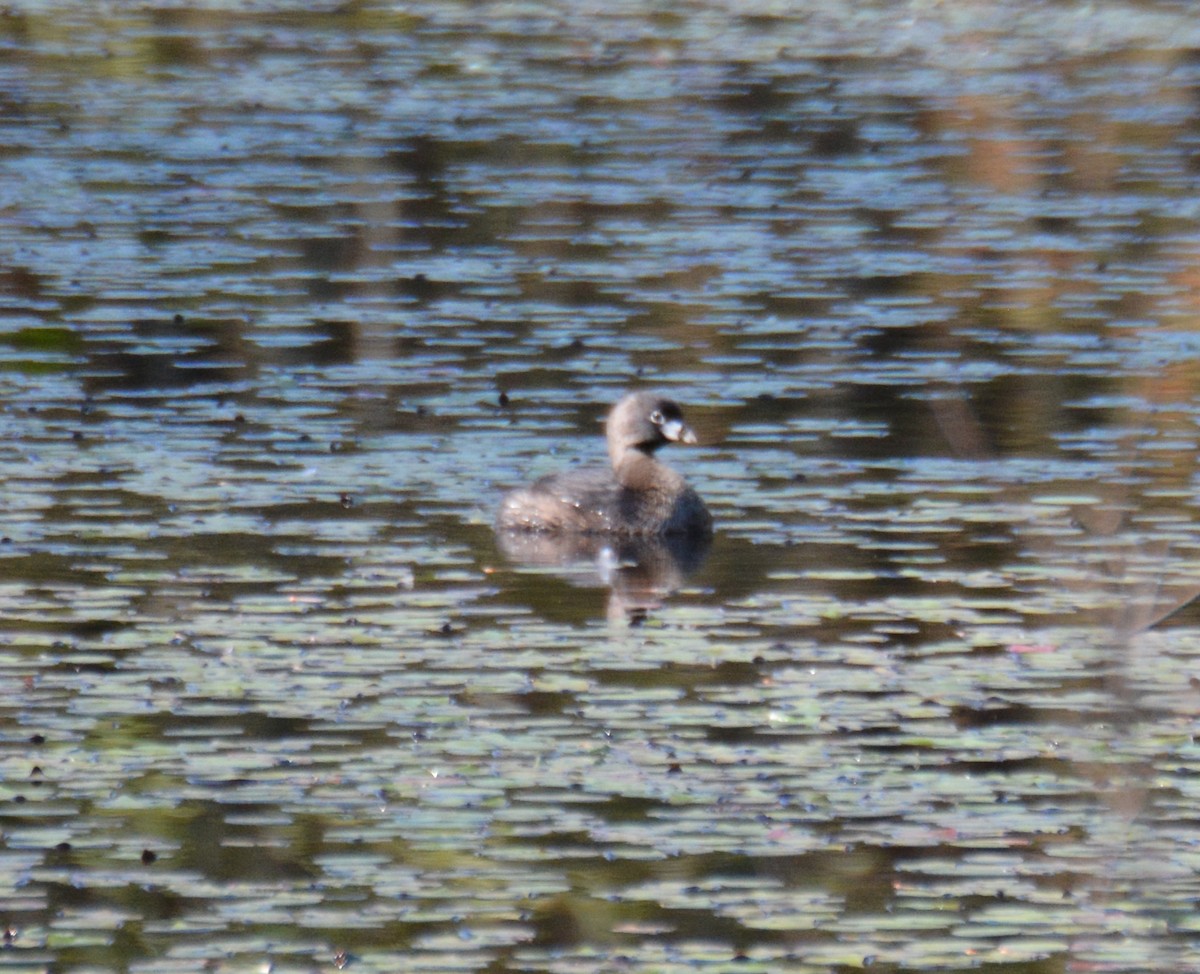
(290, 297)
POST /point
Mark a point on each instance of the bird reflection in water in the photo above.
(639, 572)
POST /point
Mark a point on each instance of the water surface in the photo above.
(290, 297)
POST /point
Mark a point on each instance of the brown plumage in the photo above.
(637, 496)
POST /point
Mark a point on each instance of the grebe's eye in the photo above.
(656, 417)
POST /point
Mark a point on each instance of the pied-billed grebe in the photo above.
(638, 496)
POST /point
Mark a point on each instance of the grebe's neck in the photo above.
(638, 470)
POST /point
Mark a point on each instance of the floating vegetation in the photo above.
(291, 297)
